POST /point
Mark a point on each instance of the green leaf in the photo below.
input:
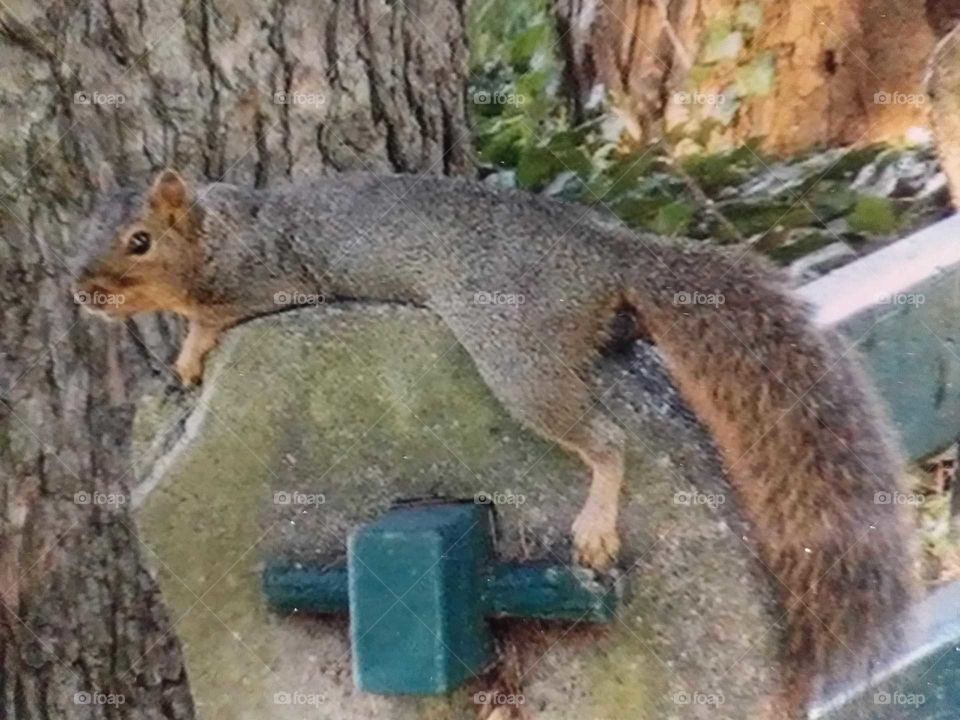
(539, 165)
(873, 215)
(534, 100)
(718, 170)
(673, 219)
(638, 212)
(501, 144)
(526, 44)
(760, 217)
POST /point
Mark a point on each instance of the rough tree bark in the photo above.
(943, 89)
(794, 74)
(236, 89)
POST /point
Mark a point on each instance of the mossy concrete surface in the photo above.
(313, 421)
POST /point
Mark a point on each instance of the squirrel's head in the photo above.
(140, 249)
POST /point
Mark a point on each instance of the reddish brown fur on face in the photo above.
(119, 282)
(121, 292)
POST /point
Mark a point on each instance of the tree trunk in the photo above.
(245, 91)
(722, 72)
(943, 88)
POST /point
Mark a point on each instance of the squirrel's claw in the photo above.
(595, 540)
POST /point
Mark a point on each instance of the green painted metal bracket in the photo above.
(420, 584)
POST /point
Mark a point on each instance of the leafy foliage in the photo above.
(785, 207)
(513, 94)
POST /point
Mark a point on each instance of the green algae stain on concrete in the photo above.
(395, 395)
(624, 679)
(198, 527)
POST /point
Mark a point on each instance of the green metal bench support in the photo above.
(420, 584)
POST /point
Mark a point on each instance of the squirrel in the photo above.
(802, 437)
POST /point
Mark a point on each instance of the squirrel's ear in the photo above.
(170, 192)
(106, 180)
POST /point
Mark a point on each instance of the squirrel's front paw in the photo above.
(595, 540)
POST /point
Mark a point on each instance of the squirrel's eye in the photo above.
(139, 243)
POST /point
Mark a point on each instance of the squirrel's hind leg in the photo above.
(546, 388)
(600, 444)
(565, 414)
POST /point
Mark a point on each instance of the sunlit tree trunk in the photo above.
(791, 74)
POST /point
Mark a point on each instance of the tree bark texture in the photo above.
(250, 92)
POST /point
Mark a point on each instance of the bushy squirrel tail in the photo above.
(806, 448)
